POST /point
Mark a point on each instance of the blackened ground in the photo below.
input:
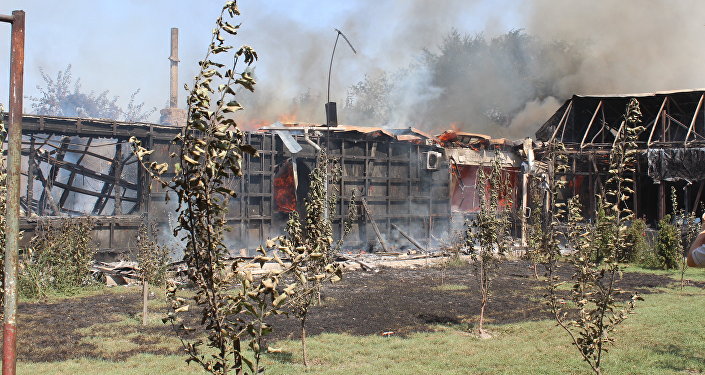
(364, 303)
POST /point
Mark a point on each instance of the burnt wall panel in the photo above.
(389, 174)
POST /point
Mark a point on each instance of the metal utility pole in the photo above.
(12, 217)
(331, 113)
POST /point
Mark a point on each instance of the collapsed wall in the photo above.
(75, 167)
(671, 149)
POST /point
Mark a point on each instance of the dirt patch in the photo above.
(398, 300)
(409, 300)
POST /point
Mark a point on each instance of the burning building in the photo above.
(75, 167)
(671, 149)
(467, 154)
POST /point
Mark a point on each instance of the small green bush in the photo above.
(668, 244)
(58, 259)
(636, 242)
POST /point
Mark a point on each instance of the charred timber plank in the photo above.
(46, 196)
(592, 120)
(40, 177)
(374, 225)
(51, 178)
(561, 123)
(30, 178)
(127, 222)
(413, 241)
(91, 193)
(658, 117)
(65, 193)
(106, 191)
(116, 184)
(94, 127)
(86, 172)
(86, 152)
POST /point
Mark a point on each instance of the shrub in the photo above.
(668, 244)
(636, 238)
(59, 257)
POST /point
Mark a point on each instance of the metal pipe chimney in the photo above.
(174, 76)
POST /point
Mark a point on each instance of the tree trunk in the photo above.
(145, 297)
(482, 315)
(238, 358)
(303, 341)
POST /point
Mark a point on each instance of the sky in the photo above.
(627, 46)
(122, 46)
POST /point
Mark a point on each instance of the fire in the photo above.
(286, 118)
(285, 188)
(252, 124)
(448, 137)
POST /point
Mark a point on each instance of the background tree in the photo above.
(62, 96)
(440, 86)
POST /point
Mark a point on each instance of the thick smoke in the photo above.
(507, 87)
(566, 47)
(633, 46)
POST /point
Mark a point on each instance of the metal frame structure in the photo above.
(61, 155)
(587, 125)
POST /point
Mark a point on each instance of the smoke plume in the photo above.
(492, 80)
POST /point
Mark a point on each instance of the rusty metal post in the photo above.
(14, 143)
(174, 76)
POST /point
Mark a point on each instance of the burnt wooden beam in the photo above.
(65, 193)
(30, 178)
(105, 194)
(592, 120)
(659, 117)
(46, 196)
(51, 177)
(561, 123)
(96, 128)
(81, 190)
(79, 169)
(85, 151)
(374, 225)
(116, 185)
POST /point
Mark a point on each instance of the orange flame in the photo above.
(287, 118)
(448, 137)
(285, 188)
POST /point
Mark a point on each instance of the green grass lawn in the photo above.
(665, 336)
